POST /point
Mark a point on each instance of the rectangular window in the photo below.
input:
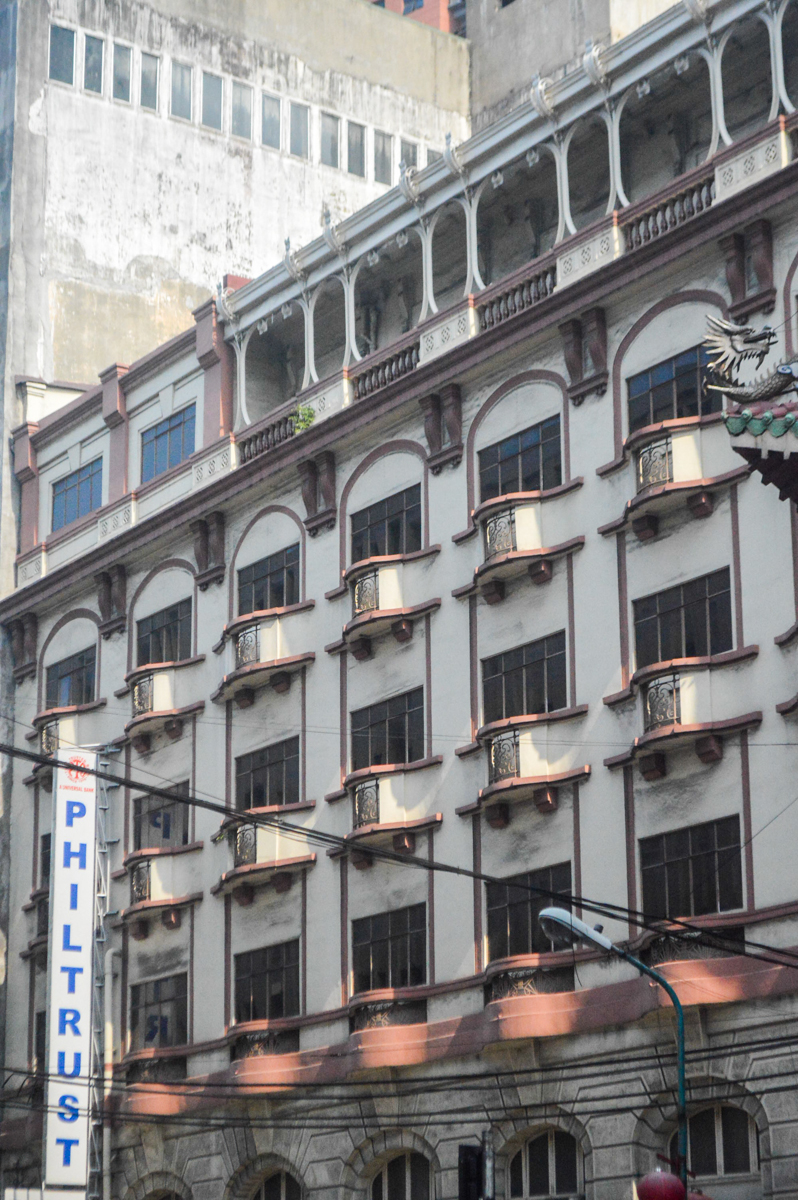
(300, 130)
(270, 125)
(412, 5)
(513, 926)
(529, 461)
(692, 871)
(389, 950)
(267, 983)
(433, 156)
(687, 621)
(93, 64)
(40, 1041)
(168, 443)
(383, 153)
(356, 149)
(77, 494)
(241, 120)
(181, 91)
(391, 526)
(165, 636)
(159, 1013)
(71, 681)
(44, 860)
(272, 582)
(62, 54)
(330, 136)
(527, 680)
(269, 776)
(159, 823)
(211, 101)
(673, 388)
(122, 59)
(409, 153)
(391, 731)
(149, 81)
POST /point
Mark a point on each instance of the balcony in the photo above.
(261, 857)
(160, 702)
(263, 649)
(159, 883)
(63, 728)
(381, 590)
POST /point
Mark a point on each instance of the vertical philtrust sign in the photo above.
(70, 967)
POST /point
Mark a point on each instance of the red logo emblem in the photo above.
(77, 769)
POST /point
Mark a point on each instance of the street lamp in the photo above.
(554, 921)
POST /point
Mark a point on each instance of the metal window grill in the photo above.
(248, 646)
(366, 593)
(662, 706)
(500, 532)
(366, 803)
(143, 691)
(245, 847)
(49, 738)
(655, 464)
(503, 762)
(140, 882)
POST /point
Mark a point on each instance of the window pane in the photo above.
(396, 1178)
(329, 140)
(211, 101)
(409, 153)
(122, 57)
(382, 157)
(300, 145)
(538, 1161)
(433, 156)
(517, 1176)
(270, 128)
(356, 145)
(564, 1163)
(242, 111)
(149, 81)
(419, 1177)
(93, 64)
(736, 1148)
(703, 1155)
(62, 54)
(181, 91)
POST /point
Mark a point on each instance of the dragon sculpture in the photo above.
(731, 345)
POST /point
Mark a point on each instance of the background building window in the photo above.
(241, 121)
(433, 156)
(391, 731)
(548, 1165)
(690, 620)
(122, 58)
(721, 1141)
(159, 1013)
(165, 636)
(270, 124)
(389, 950)
(159, 823)
(267, 983)
(513, 926)
(272, 582)
(529, 679)
(330, 137)
(181, 91)
(211, 101)
(673, 388)
(268, 776)
(62, 54)
(692, 871)
(39, 1063)
(391, 526)
(526, 462)
(77, 494)
(71, 681)
(409, 150)
(300, 130)
(168, 443)
(45, 843)
(149, 81)
(406, 1177)
(383, 154)
(281, 1186)
(93, 64)
(356, 149)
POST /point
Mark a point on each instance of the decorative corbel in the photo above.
(584, 346)
(208, 533)
(443, 427)
(593, 65)
(223, 308)
(453, 163)
(317, 479)
(23, 632)
(408, 186)
(541, 102)
(331, 236)
(749, 270)
(292, 265)
(111, 599)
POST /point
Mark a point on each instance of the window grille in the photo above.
(49, 738)
(661, 701)
(248, 646)
(366, 593)
(71, 681)
(500, 533)
(527, 680)
(159, 1013)
(267, 983)
(143, 690)
(140, 882)
(391, 731)
(366, 803)
(655, 464)
(246, 846)
(389, 950)
(503, 762)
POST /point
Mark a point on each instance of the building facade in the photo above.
(425, 564)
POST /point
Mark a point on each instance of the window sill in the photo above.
(378, 621)
(650, 433)
(146, 908)
(389, 833)
(149, 668)
(66, 710)
(669, 737)
(267, 810)
(241, 684)
(707, 662)
(523, 787)
(485, 732)
(241, 882)
(491, 576)
(364, 565)
(660, 498)
(381, 770)
(260, 614)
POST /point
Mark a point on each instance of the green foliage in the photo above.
(304, 417)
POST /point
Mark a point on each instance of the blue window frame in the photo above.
(78, 493)
(167, 443)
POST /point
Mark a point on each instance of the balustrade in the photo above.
(669, 213)
(49, 738)
(247, 646)
(245, 847)
(366, 593)
(500, 533)
(266, 438)
(518, 297)
(655, 464)
(503, 762)
(143, 694)
(661, 703)
(390, 368)
(140, 882)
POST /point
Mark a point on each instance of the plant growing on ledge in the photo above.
(304, 416)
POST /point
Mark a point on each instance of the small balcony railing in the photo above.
(503, 761)
(661, 703)
(366, 593)
(43, 916)
(500, 533)
(248, 646)
(655, 464)
(143, 692)
(49, 738)
(366, 803)
(245, 846)
(140, 882)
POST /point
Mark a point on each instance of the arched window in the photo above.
(406, 1177)
(548, 1165)
(722, 1141)
(280, 1186)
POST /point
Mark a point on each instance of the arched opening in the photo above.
(666, 127)
(275, 362)
(449, 256)
(280, 1186)
(549, 1164)
(746, 75)
(517, 217)
(389, 293)
(589, 172)
(789, 48)
(405, 1177)
(329, 328)
(721, 1140)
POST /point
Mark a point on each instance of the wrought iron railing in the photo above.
(654, 464)
(366, 803)
(500, 533)
(366, 593)
(503, 761)
(248, 646)
(143, 695)
(661, 703)
(245, 846)
(49, 738)
(140, 882)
